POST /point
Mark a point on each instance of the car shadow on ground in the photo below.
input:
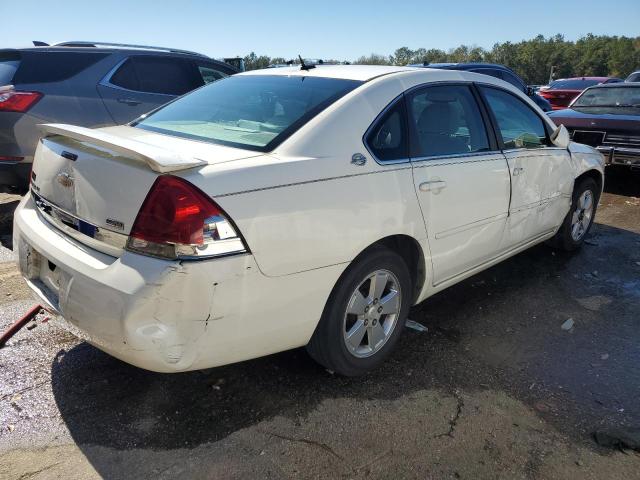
(6, 222)
(500, 329)
(620, 180)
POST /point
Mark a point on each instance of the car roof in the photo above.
(346, 72)
(89, 49)
(467, 66)
(583, 78)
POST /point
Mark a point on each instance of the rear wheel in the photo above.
(365, 314)
(578, 221)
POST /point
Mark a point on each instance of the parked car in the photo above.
(86, 84)
(561, 92)
(634, 77)
(497, 71)
(294, 206)
(607, 117)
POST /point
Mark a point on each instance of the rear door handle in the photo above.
(129, 101)
(432, 186)
(517, 171)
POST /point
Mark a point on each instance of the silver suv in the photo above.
(88, 84)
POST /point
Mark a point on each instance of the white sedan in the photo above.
(296, 206)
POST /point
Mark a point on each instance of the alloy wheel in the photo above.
(372, 313)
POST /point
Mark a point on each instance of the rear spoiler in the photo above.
(158, 159)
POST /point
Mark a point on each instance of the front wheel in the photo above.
(578, 221)
(365, 314)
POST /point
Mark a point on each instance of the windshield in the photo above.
(257, 112)
(609, 97)
(572, 84)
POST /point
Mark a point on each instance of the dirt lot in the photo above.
(495, 389)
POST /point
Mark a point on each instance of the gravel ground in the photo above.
(495, 389)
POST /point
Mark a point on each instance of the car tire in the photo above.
(371, 302)
(578, 221)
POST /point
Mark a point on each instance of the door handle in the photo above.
(432, 186)
(129, 101)
(517, 171)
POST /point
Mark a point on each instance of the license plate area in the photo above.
(588, 137)
(42, 275)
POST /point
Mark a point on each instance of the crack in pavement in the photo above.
(453, 423)
(28, 475)
(314, 443)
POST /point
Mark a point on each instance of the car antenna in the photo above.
(304, 66)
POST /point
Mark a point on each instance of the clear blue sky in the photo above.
(342, 29)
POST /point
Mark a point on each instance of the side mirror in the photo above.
(560, 137)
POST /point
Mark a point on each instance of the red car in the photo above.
(561, 93)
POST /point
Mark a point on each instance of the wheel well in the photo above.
(595, 175)
(411, 252)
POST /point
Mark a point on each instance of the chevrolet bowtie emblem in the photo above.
(64, 179)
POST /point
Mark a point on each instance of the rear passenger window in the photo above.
(388, 139)
(446, 121)
(125, 76)
(210, 74)
(518, 124)
(168, 76)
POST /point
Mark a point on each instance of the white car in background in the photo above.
(294, 206)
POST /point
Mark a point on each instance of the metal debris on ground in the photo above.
(567, 325)
(418, 327)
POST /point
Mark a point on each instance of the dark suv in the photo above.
(494, 70)
(87, 84)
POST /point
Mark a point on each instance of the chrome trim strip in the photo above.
(458, 158)
(104, 240)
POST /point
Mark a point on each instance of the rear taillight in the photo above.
(10, 158)
(178, 221)
(17, 101)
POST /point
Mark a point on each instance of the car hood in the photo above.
(610, 117)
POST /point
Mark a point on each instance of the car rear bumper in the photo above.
(168, 316)
(621, 156)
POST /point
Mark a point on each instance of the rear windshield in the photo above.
(573, 84)
(609, 97)
(9, 63)
(254, 112)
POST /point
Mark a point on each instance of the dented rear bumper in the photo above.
(168, 316)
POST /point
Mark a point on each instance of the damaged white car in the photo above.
(295, 206)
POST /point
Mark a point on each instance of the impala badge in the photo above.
(115, 223)
(64, 179)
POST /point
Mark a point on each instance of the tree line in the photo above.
(591, 55)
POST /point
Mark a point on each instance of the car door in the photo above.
(541, 173)
(142, 83)
(460, 177)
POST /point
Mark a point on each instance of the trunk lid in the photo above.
(94, 182)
